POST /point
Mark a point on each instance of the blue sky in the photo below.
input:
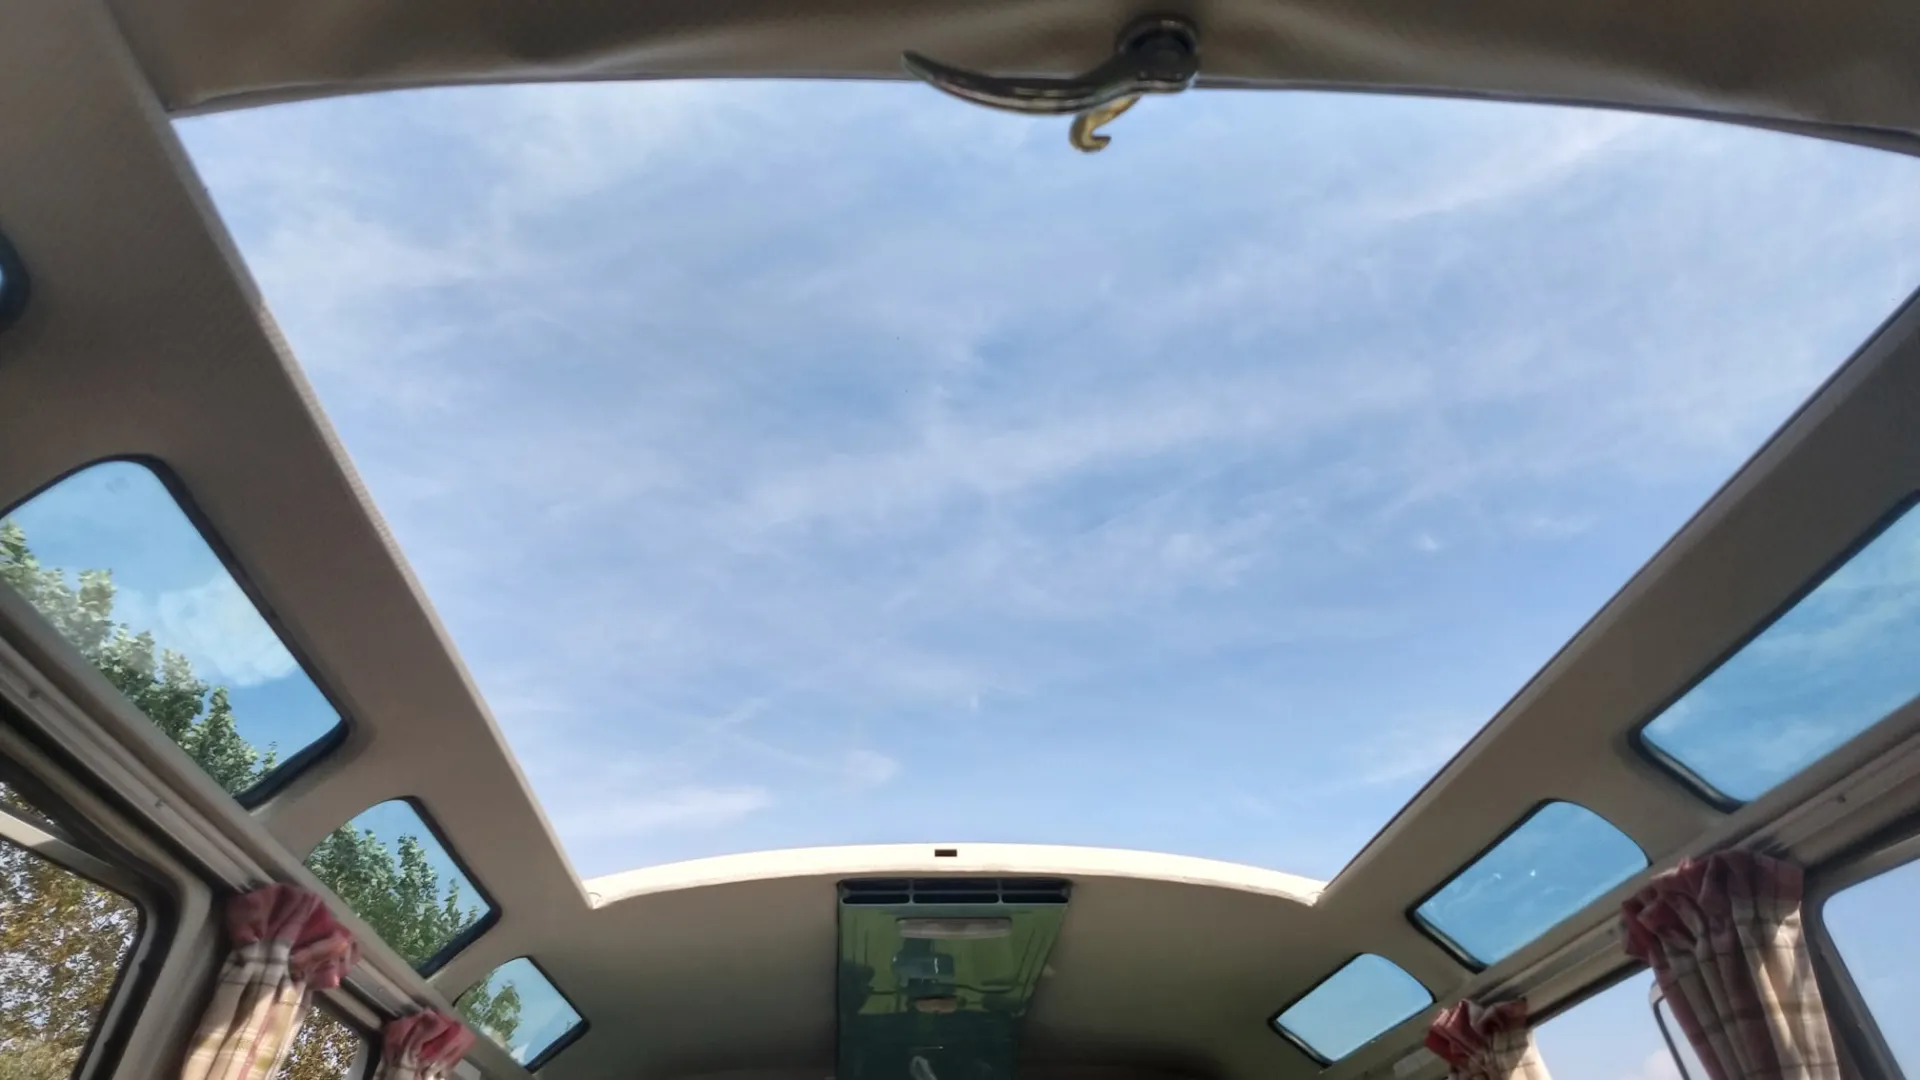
(803, 464)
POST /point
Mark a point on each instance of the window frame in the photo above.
(66, 841)
(16, 285)
(1672, 766)
(553, 1049)
(1657, 997)
(1848, 1012)
(1454, 948)
(296, 763)
(1274, 1025)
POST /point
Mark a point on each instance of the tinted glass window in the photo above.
(521, 1009)
(1561, 858)
(1827, 670)
(108, 557)
(1872, 926)
(392, 870)
(1352, 1006)
(64, 941)
(325, 1048)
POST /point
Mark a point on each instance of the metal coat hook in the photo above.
(1156, 55)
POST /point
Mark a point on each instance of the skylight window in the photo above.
(1352, 1007)
(108, 557)
(519, 1008)
(1558, 860)
(391, 867)
(1831, 667)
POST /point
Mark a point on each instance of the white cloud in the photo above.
(1536, 160)
(867, 769)
(1658, 1065)
(675, 809)
(215, 626)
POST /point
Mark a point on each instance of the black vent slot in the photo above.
(898, 892)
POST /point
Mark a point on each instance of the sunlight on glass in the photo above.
(1352, 1006)
(1827, 670)
(1872, 925)
(519, 1008)
(1562, 858)
(394, 873)
(109, 559)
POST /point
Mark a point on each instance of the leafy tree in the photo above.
(323, 1049)
(395, 890)
(161, 683)
(63, 939)
(493, 1013)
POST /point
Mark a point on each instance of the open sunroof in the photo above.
(807, 463)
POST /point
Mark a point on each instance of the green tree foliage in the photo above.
(494, 1013)
(395, 890)
(323, 1049)
(63, 939)
(159, 681)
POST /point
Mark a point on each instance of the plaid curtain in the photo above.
(424, 1046)
(285, 946)
(1490, 1042)
(1723, 937)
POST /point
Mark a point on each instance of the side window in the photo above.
(325, 1048)
(64, 944)
(390, 866)
(1872, 927)
(109, 559)
(1609, 1036)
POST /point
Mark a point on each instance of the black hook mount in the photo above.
(1159, 54)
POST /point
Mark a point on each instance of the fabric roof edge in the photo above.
(1842, 70)
(901, 860)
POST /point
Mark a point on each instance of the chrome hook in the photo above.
(1156, 55)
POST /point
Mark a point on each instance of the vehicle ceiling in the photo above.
(143, 316)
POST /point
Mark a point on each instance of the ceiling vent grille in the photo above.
(897, 892)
